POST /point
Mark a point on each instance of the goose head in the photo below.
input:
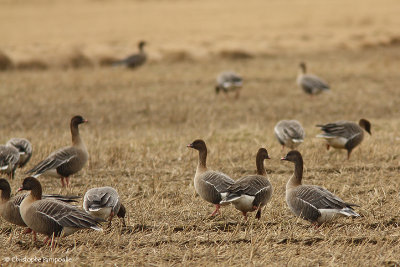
(141, 45)
(198, 145)
(263, 153)
(366, 125)
(293, 156)
(303, 67)
(76, 120)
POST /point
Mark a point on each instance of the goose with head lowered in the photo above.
(229, 81)
(51, 217)
(24, 148)
(9, 158)
(289, 133)
(252, 192)
(66, 161)
(104, 202)
(344, 134)
(311, 202)
(9, 206)
(212, 186)
(310, 83)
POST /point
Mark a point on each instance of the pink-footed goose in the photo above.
(251, 192)
(65, 161)
(210, 185)
(228, 81)
(9, 158)
(311, 84)
(24, 148)
(9, 206)
(134, 60)
(289, 133)
(344, 134)
(310, 202)
(51, 217)
(104, 203)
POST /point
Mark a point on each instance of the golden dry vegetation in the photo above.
(142, 120)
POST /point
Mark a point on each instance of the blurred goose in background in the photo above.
(310, 202)
(212, 186)
(51, 217)
(9, 206)
(311, 84)
(65, 161)
(25, 150)
(9, 158)
(289, 133)
(344, 134)
(229, 81)
(104, 203)
(134, 60)
(251, 192)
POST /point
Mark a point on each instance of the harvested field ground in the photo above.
(142, 120)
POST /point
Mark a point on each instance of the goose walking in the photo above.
(24, 148)
(251, 192)
(311, 84)
(229, 81)
(65, 161)
(134, 60)
(212, 186)
(51, 217)
(9, 158)
(289, 133)
(311, 202)
(9, 206)
(104, 203)
(344, 134)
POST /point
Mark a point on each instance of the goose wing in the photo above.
(311, 82)
(97, 198)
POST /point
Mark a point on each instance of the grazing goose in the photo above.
(65, 161)
(289, 133)
(9, 206)
(228, 81)
(134, 60)
(9, 158)
(344, 134)
(311, 84)
(310, 202)
(251, 192)
(103, 202)
(25, 150)
(212, 186)
(51, 217)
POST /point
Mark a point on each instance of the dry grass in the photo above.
(141, 122)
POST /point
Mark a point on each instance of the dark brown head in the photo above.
(293, 156)
(122, 211)
(141, 45)
(303, 67)
(198, 145)
(76, 120)
(32, 184)
(366, 125)
(5, 188)
(263, 154)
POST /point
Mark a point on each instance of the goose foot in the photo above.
(217, 206)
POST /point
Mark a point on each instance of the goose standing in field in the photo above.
(311, 84)
(9, 158)
(344, 134)
(134, 60)
(65, 161)
(289, 133)
(229, 81)
(25, 150)
(9, 206)
(251, 192)
(104, 203)
(51, 217)
(310, 202)
(212, 186)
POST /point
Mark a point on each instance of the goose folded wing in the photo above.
(312, 81)
(320, 197)
(55, 160)
(101, 199)
(218, 180)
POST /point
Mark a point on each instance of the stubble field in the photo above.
(141, 121)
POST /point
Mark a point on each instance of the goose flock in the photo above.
(55, 215)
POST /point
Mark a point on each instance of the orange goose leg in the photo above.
(62, 182)
(217, 206)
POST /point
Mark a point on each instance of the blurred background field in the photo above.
(141, 121)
